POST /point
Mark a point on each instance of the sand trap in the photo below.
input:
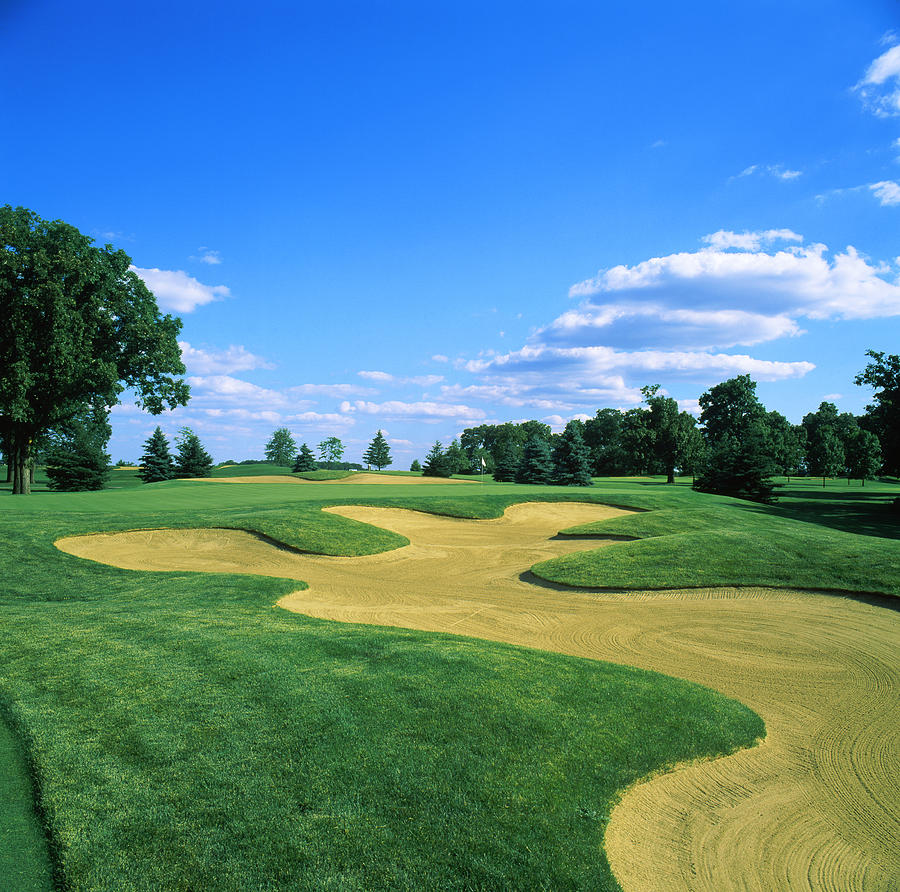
(355, 478)
(816, 806)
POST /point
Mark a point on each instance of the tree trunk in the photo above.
(823, 481)
(21, 454)
(670, 474)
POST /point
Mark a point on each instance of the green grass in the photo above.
(183, 733)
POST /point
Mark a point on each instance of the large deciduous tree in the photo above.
(331, 449)
(882, 417)
(281, 449)
(78, 328)
(378, 453)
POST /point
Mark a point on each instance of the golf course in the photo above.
(352, 684)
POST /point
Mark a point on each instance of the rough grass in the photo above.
(186, 734)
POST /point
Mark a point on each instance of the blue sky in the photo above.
(420, 217)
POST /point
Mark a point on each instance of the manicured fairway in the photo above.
(182, 713)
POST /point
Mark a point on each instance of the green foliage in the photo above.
(571, 458)
(436, 463)
(457, 460)
(603, 437)
(305, 460)
(378, 453)
(863, 455)
(191, 459)
(282, 448)
(883, 416)
(156, 462)
(79, 327)
(331, 450)
(76, 459)
(824, 445)
(506, 463)
(729, 408)
(536, 464)
(415, 466)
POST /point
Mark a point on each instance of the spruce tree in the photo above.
(740, 468)
(506, 464)
(191, 459)
(571, 458)
(415, 466)
(378, 453)
(436, 463)
(305, 461)
(156, 462)
(536, 465)
(76, 457)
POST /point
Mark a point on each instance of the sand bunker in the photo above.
(354, 478)
(816, 806)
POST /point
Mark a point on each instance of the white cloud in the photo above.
(225, 388)
(439, 357)
(887, 192)
(208, 255)
(798, 281)
(879, 88)
(178, 292)
(387, 378)
(650, 323)
(397, 409)
(749, 241)
(341, 391)
(212, 362)
(584, 363)
(779, 171)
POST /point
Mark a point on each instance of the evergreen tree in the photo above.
(378, 453)
(281, 448)
(415, 466)
(435, 463)
(740, 468)
(191, 459)
(305, 460)
(506, 464)
(536, 465)
(571, 458)
(156, 462)
(76, 459)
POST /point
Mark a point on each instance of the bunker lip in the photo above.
(822, 671)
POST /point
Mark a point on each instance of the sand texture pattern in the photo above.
(815, 806)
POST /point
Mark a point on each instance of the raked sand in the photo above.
(815, 806)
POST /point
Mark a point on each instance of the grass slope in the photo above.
(186, 734)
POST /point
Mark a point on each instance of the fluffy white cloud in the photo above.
(651, 324)
(213, 362)
(227, 389)
(798, 281)
(338, 391)
(208, 255)
(880, 86)
(178, 292)
(397, 409)
(887, 192)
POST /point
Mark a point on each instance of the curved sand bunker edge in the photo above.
(771, 833)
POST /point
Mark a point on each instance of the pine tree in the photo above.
(571, 459)
(76, 458)
(281, 448)
(305, 461)
(536, 465)
(506, 464)
(191, 459)
(415, 466)
(435, 463)
(378, 453)
(156, 462)
(740, 468)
